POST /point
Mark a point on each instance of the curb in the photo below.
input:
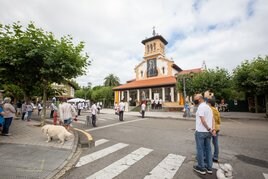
(192, 119)
(65, 166)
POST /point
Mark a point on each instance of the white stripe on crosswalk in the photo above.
(101, 141)
(265, 175)
(116, 124)
(99, 154)
(121, 165)
(167, 168)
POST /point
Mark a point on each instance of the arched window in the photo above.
(141, 73)
(154, 46)
(163, 70)
(151, 47)
(147, 48)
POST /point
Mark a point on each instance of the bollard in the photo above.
(88, 122)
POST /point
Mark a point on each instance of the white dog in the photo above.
(225, 171)
(56, 131)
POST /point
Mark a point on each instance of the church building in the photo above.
(155, 77)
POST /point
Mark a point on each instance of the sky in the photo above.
(221, 33)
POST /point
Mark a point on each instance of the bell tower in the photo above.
(154, 46)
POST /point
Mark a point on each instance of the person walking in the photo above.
(116, 108)
(18, 108)
(1, 116)
(121, 110)
(39, 107)
(94, 111)
(79, 107)
(23, 110)
(53, 107)
(217, 120)
(204, 127)
(9, 114)
(29, 110)
(143, 108)
(67, 112)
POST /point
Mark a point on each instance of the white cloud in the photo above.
(223, 33)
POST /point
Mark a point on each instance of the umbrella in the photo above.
(75, 100)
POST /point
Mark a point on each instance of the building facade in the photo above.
(155, 77)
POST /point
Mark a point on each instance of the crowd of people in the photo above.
(207, 125)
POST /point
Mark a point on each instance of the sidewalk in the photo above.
(179, 115)
(26, 154)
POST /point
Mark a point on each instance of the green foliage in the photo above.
(84, 93)
(13, 91)
(104, 94)
(111, 80)
(252, 76)
(74, 84)
(31, 57)
(216, 80)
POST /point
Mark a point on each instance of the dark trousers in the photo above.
(22, 116)
(121, 114)
(142, 113)
(51, 113)
(79, 111)
(93, 120)
(7, 124)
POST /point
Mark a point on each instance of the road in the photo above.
(165, 148)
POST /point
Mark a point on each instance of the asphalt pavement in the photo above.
(26, 154)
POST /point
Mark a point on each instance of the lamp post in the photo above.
(184, 90)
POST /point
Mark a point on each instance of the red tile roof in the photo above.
(195, 70)
(151, 82)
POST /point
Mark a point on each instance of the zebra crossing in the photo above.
(166, 168)
(82, 119)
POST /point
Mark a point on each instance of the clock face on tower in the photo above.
(151, 68)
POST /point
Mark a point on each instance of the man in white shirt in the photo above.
(80, 107)
(93, 114)
(143, 107)
(121, 110)
(67, 112)
(204, 126)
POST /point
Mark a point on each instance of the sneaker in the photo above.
(6, 134)
(209, 171)
(199, 170)
(215, 160)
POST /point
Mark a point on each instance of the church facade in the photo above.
(155, 77)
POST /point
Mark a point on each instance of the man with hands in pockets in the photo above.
(204, 126)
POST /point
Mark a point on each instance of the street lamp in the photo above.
(184, 90)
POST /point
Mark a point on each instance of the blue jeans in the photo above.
(215, 142)
(203, 147)
(29, 115)
(7, 124)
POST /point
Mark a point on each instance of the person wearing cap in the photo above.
(9, 114)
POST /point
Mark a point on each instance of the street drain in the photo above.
(253, 161)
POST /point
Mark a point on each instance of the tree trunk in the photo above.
(266, 102)
(256, 103)
(43, 115)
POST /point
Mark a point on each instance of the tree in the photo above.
(103, 94)
(216, 80)
(111, 80)
(252, 77)
(38, 58)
